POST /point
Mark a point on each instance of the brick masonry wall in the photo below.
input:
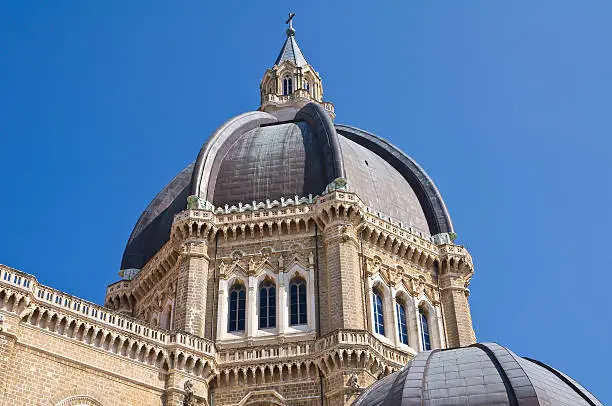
(37, 376)
(191, 295)
(457, 316)
(344, 279)
(302, 393)
(46, 368)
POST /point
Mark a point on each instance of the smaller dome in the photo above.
(481, 374)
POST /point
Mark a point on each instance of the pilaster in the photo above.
(283, 303)
(192, 287)
(343, 277)
(457, 316)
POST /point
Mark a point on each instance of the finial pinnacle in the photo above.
(290, 30)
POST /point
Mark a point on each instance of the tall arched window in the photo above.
(287, 85)
(298, 310)
(306, 85)
(237, 302)
(267, 304)
(379, 318)
(402, 327)
(424, 330)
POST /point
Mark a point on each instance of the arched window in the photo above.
(379, 318)
(237, 301)
(402, 327)
(267, 304)
(307, 85)
(424, 330)
(298, 310)
(287, 85)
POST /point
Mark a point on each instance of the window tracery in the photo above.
(237, 308)
(287, 85)
(379, 318)
(402, 325)
(298, 307)
(425, 333)
(267, 304)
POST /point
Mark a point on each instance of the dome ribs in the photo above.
(437, 216)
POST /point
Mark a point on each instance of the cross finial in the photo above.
(290, 30)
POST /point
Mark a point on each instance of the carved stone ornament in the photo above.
(281, 262)
(222, 269)
(237, 255)
(188, 399)
(354, 382)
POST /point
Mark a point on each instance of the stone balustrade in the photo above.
(98, 315)
(76, 319)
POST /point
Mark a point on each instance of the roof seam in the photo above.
(512, 400)
(563, 378)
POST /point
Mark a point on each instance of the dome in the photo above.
(481, 374)
(258, 156)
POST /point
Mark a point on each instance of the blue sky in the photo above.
(505, 104)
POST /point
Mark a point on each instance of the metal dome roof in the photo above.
(258, 156)
(482, 374)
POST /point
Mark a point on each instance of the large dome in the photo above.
(259, 156)
(482, 374)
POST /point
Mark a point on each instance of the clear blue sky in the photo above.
(507, 105)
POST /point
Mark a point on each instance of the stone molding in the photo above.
(123, 336)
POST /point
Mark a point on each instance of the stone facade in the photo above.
(163, 327)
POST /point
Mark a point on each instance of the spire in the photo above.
(291, 83)
(290, 50)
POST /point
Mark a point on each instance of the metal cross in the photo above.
(291, 15)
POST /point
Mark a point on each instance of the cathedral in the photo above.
(296, 261)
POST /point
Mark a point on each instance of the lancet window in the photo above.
(267, 304)
(379, 318)
(424, 330)
(287, 85)
(298, 309)
(402, 326)
(237, 308)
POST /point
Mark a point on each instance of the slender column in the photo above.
(312, 322)
(251, 307)
(440, 324)
(370, 312)
(222, 306)
(283, 303)
(395, 316)
(418, 324)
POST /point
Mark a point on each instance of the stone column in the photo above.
(343, 277)
(283, 303)
(419, 343)
(252, 324)
(440, 324)
(192, 288)
(395, 339)
(222, 306)
(312, 322)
